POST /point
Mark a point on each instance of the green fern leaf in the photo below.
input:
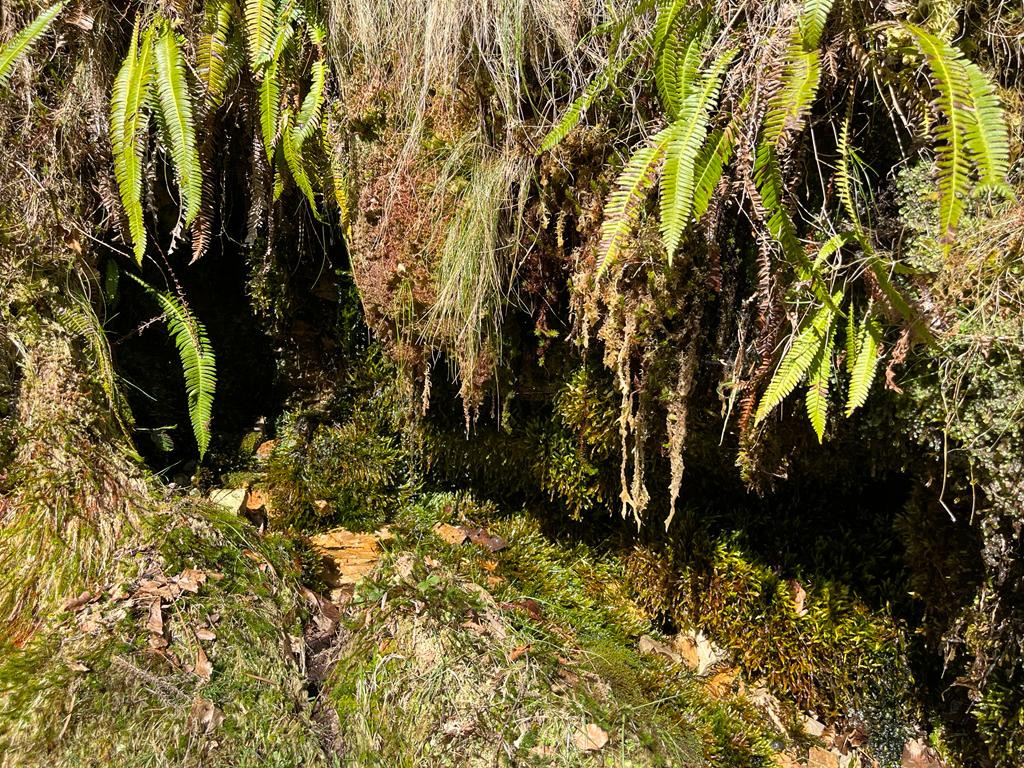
(216, 59)
(129, 123)
(795, 363)
(270, 90)
(801, 74)
(23, 42)
(812, 22)
(953, 99)
(312, 106)
(708, 169)
(582, 103)
(175, 103)
(292, 149)
(988, 138)
(198, 364)
(863, 364)
(687, 136)
(260, 17)
(622, 208)
(817, 383)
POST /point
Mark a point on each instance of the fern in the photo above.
(861, 360)
(622, 209)
(953, 100)
(198, 363)
(801, 74)
(260, 16)
(812, 22)
(129, 124)
(270, 90)
(312, 105)
(796, 362)
(175, 104)
(214, 56)
(23, 42)
(818, 381)
(988, 138)
(709, 166)
(292, 150)
(687, 138)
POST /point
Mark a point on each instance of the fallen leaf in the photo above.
(205, 634)
(157, 642)
(321, 505)
(799, 596)
(543, 750)
(190, 580)
(158, 587)
(696, 651)
(457, 728)
(203, 668)
(481, 538)
(205, 716)
(822, 758)
(452, 534)
(265, 449)
(721, 684)
(432, 562)
(77, 666)
(591, 738)
(519, 651)
(527, 605)
(404, 565)
(917, 754)
(648, 645)
(155, 622)
(257, 499)
(75, 603)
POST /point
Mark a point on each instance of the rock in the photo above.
(231, 499)
(812, 727)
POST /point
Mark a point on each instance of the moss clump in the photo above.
(824, 650)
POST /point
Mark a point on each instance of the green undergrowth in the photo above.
(95, 686)
(459, 656)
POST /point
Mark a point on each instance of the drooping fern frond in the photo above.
(198, 363)
(175, 102)
(678, 58)
(129, 123)
(688, 135)
(622, 209)
(270, 90)
(797, 361)
(988, 138)
(801, 74)
(953, 101)
(260, 16)
(308, 118)
(81, 320)
(291, 147)
(861, 359)
(709, 166)
(813, 16)
(23, 42)
(818, 383)
(216, 60)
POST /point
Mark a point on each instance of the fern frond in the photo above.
(260, 16)
(818, 381)
(81, 320)
(812, 23)
(23, 42)
(292, 149)
(198, 364)
(175, 103)
(863, 364)
(622, 208)
(687, 138)
(270, 95)
(708, 168)
(801, 74)
(795, 363)
(988, 138)
(583, 102)
(129, 123)
(215, 59)
(311, 110)
(953, 100)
